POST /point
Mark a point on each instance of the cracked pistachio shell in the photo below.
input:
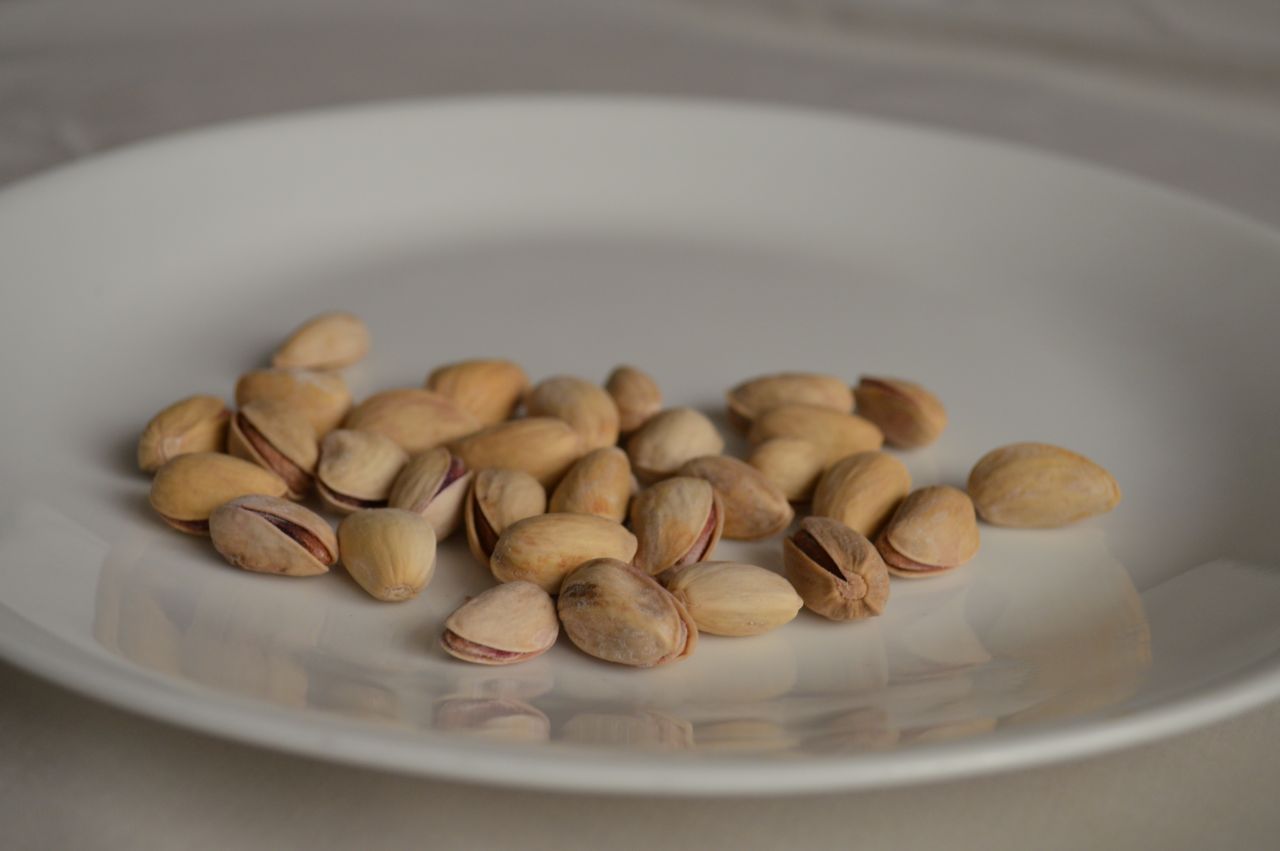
(613, 611)
(497, 498)
(753, 506)
(792, 464)
(327, 341)
(862, 491)
(417, 420)
(677, 521)
(909, 415)
(357, 469)
(322, 397)
(839, 434)
(636, 395)
(488, 389)
(670, 438)
(838, 572)
(187, 489)
(1036, 485)
(586, 407)
(729, 598)
(933, 530)
(509, 623)
(753, 397)
(544, 548)
(433, 484)
(391, 553)
(194, 424)
(267, 534)
(543, 447)
(275, 436)
(598, 483)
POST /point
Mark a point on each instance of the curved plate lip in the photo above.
(430, 754)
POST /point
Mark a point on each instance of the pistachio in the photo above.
(933, 531)
(753, 506)
(188, 488)
(793, 465)
(677, 521)
(728, 598)
(909, 415)
(752, 398)
(1036, 485)
(322, 397)
(357, 469)
(278, 438)
(266, 534)
(194, 424)
(497, 499)
(543, 447)
(544, 548)
(839, 434)
(599, 483)
(837, 571)
(417, 420)
(391, 553)
(487, 389)
(588, 409)
(615, 612)
(327, 341)
(670, 438)
(862, 490)
(433, 484)
(636, 395)
(510, 623)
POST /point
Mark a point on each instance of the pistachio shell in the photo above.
(194, 424)
(433, 484)
(266, 534)
(670, 438)
(357, 469)
(415, 419)
(933, 531)
(840, 434)
(677, 521)
(837, 571)
(510, 623)
(793, 465)
(729, 598)
(587, 408)
(488, 389)
(862, 490)
(497, 498)
(615, 612)
(322, 397)
(752, 398)
(909, 415)
(1036, 485)
(543, 447)
(544, 548)
(327, 341)
(599, 483)
(391, 553)
(753, 506)
(636, 395)
(275, 436)
(188, 488)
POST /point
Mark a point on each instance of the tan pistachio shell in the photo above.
(357, 469)
(586, 407)
(433, 484)
(544, 548)
(266, 534)
(753, 397)
(598, 483)
(670, 438)
(793, 465)
(636, 394)
(677, 521)
(497, 498)
(862, 491)
(754, 507)
(193, 424)
(837, 572)
(908, 414)
(933, 530)
(415, 419)
(187, 489)
(322, 397)
(613, 611)
(509, 623)
(840, 434)
(391, 553)
(487, 388)
(279, 438)
(543, 447)
(1038, 485)
(327, 341)
(731, 598)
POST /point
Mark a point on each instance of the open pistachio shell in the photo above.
(908, 414)
(270, 535)
(433, 484)
(934, 530)
(497, 498)
(279, 438)
(322, 397)
(509, 623)
(836, 571)
(357, 469)
(677, 521)
(753, 506)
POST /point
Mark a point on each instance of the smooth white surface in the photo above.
(563, 233)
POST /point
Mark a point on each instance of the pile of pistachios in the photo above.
(593, 507)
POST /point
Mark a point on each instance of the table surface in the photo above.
(1185, 92)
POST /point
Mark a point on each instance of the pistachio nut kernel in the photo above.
(497, 498)
(194, 424)
(636, 394)
(754, 507)
(509, 623)
(357, 469)
(598, 483)
(433, 484)
(586, 407)
(544, 548)
(327, 341)
(862, 491)
(838, 434)
(908, 414)
(670, 438)
(322, 397)
(275, 436)
(753, 397)
(543, 447)
(488, 389)
(792, 464)
(266, 534)
(417, 420)
(730, 598)
(933, 530)
(837, 571)
(1037, 485)
(187, 489)
(615, 612)
(391, 553)
(677, 521)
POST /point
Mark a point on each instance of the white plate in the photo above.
(1042, 299)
